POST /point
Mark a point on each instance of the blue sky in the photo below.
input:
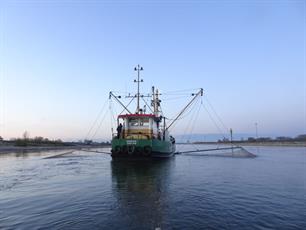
(59, 60)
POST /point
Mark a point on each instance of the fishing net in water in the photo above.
(234, 152)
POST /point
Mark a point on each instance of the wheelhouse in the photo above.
(139, 126)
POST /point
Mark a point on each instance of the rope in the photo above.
(188, 111)
(193, 113)
(114, 113)
(210, 116)
(174, 98)
(127, 105)
(212, 108)
(112, 118)
(161, 112)
(192, 123)
(195, 121)
(99, 126)
(147, 105)
(94, 123)
(179, 91)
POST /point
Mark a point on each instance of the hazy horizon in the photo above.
(60, 59)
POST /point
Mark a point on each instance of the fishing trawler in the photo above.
(141, 134)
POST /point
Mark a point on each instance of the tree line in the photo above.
(25, 140)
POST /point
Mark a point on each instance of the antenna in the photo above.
(138, 69)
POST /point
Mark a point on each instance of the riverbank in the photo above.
(276, 144)
(5, 149)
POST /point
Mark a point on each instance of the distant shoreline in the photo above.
(6, 149)
(276, 144)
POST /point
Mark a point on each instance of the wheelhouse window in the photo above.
(144, 122)
(139, 122)
(133, 122)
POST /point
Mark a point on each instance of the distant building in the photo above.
(87, 142)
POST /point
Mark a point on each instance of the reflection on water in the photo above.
(140, 188)
(86, 190)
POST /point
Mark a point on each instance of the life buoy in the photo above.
(138, 150)
(124, 149)
(117, 150)
(147, 150)
(131, 149)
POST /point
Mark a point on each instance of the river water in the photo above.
(85, 190)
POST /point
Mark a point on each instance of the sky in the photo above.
(60, 59)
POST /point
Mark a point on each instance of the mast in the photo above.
(153, 100)
(155, 103)
(138, 69)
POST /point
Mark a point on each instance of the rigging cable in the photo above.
(112, 119)
(114, 113)
(179, 91)
(182, 117)
(211, 117)
(192, 123)
(195, 121)
(147, 105)
(218, 117)
(99, 126)
(128, 105)
(192, 112)
(175, 98)
(97, 118)
(187, 111)
(198, 112)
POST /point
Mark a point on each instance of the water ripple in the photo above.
(90, 191)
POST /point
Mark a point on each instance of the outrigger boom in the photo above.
(184, 109)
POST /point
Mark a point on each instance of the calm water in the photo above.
(90, 191)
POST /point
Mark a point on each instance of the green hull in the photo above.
(142, 148)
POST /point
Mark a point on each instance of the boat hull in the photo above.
(140, 148)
